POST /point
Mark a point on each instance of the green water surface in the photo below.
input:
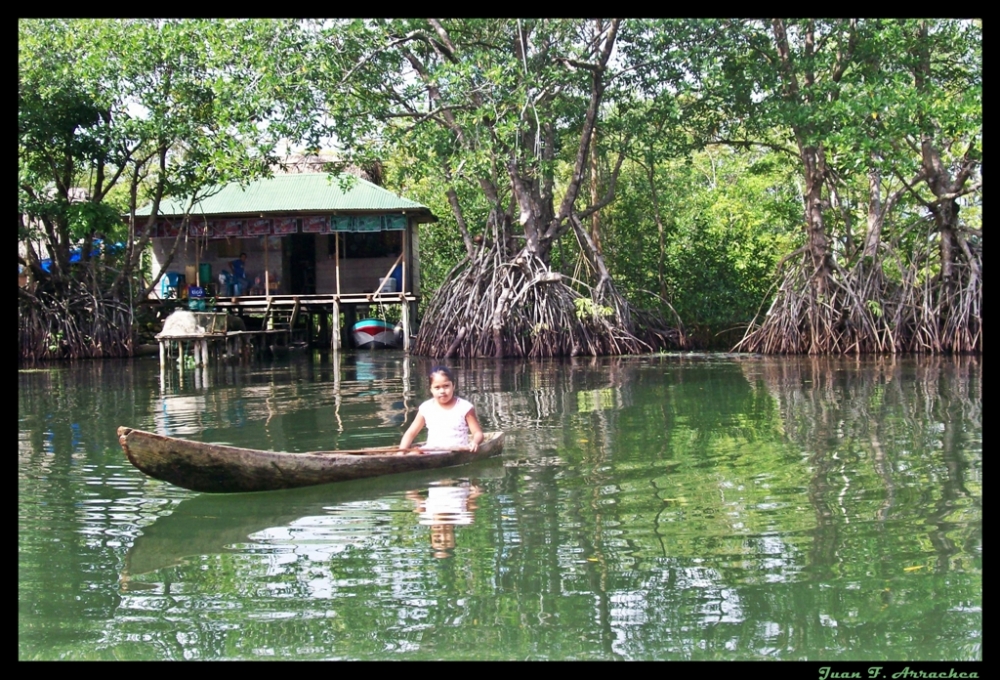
(676, 507)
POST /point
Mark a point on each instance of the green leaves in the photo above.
(485, 107)
(588, 309)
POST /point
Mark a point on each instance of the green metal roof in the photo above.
(303, 192)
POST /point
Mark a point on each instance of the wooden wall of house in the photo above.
(362, 275)
(357, 275)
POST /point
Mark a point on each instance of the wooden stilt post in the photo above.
(406, 326)
(295, 315)
(267, 274)
(335, 325)
(336, 256)
(405, 255)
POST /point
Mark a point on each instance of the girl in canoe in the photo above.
(451, 421)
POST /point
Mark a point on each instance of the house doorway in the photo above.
(302, 256)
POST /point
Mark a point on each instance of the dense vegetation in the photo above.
(605, 186)
(113, 115)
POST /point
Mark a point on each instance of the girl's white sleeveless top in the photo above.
(446, 428)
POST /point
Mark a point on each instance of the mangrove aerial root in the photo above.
(76, 323)
(864, 309)
(501, 307)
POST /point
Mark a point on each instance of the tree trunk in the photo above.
(818, 246)
(660, 230)
(595, 219)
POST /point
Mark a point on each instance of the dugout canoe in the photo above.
(217, 468)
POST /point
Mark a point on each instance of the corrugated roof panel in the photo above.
(316, 191)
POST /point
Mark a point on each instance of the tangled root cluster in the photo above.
(76, 324)
(861, 310)
(491, 306)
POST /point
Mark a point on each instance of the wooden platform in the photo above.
(205, 345)
(278, 315)
(327, 303)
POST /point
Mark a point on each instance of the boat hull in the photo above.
(375, 334)
(216, 468)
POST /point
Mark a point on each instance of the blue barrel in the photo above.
(170, 284)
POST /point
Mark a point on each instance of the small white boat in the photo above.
(376, 334)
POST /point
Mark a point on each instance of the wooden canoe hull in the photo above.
(216, 468)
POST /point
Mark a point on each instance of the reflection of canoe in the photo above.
(217, 468)
(376, 334)
(211, 524)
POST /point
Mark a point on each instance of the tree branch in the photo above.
(456, 210)
(609, 195)
(590, 120)
(449, 47)
(747, 143)
(843, 59)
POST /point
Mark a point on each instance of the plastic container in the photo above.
(205, 273)
(387, 285)
(170, 284)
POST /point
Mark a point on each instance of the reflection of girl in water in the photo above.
(446, 505)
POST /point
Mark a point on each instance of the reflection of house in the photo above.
(321, 241)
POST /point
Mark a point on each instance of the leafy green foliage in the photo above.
(728, 216)
(115, 113)
(740, 136)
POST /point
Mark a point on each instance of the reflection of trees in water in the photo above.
(67, 448)
(582, 475)
(541, 537)
(290, 401)
(60, 411)
(535, 395)
(550, 404)
(868, 433)
(559, 537)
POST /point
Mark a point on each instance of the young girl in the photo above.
(450, 420)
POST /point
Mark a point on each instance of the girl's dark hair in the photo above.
(443, 370)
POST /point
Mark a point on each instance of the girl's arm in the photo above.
(475, 429)
(411, 434)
